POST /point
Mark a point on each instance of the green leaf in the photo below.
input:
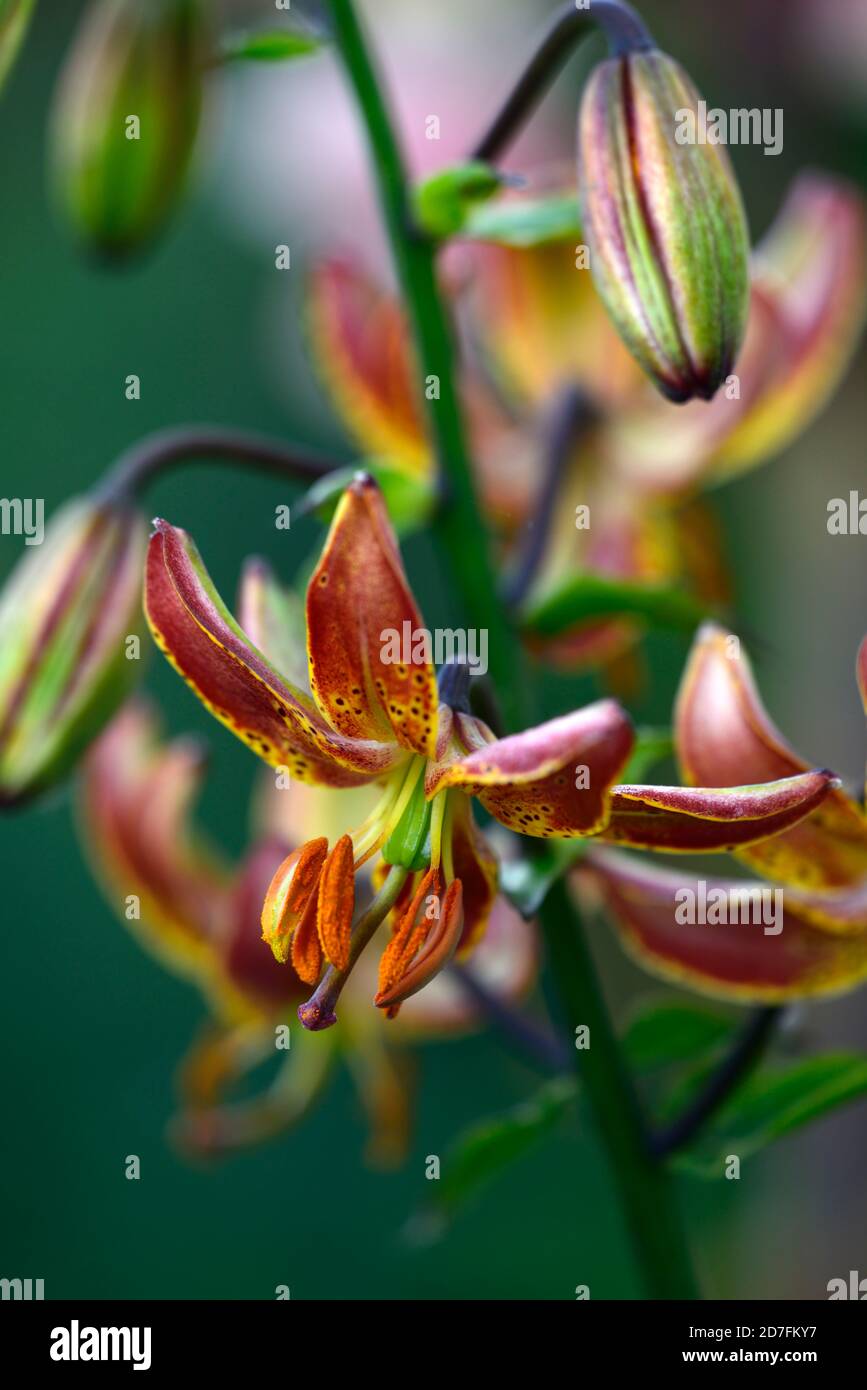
(662, 1034)
(488, 1149)
(409, 498)
(272, 46)
(530, 222)
(775, 1101)
(652, 746)
(527, 880)
(588, 597)
(442, 203)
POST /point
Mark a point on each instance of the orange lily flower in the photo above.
(371, 717)
(200, 917)
(541, 326)
(639, 470)
(819, 945)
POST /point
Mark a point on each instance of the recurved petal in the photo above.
(475, 864)
(195, 630)
(740, 960)
(696, 819)
(724, 737)
(364, 354)
(135, 800)
(370, 659)
(554, 779)
(842, 911)
(812, 266)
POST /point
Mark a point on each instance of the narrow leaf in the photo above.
(775, 1101)
(652, 746)
(443, 202)
(666, 1033)
(488, 1149)
(525, 223)
(273, 46)
(408, 497)
(587, 597)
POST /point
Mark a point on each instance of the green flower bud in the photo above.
(665, 225)
(14, 19)
(67, 613)
(125, 119)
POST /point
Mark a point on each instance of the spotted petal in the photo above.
(192, 625)
(742, 960)
(724, 737)
(551, 780)
(370, 668)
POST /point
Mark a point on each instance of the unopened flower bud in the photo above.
(15, 17)
(125, 119)
(67, 614)
(665, 225)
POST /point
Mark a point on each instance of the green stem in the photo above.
(645, 1189)
(458, 525)
(643, 1186)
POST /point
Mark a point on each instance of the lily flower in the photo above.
(819, 867)
(538, 325)
(375, 716)
(199, 916)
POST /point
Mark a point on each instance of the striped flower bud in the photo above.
(125, 119)
(66, 613)
(665, 225)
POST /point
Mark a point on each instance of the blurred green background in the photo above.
(91, 1029)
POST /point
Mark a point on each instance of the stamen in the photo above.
(409, 934)
(437, 951)
(336, 903)
(306, 950)
(319, 1011)
(289, 892)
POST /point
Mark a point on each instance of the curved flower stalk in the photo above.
(200, 915)
(373, 714)
(818, 942)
